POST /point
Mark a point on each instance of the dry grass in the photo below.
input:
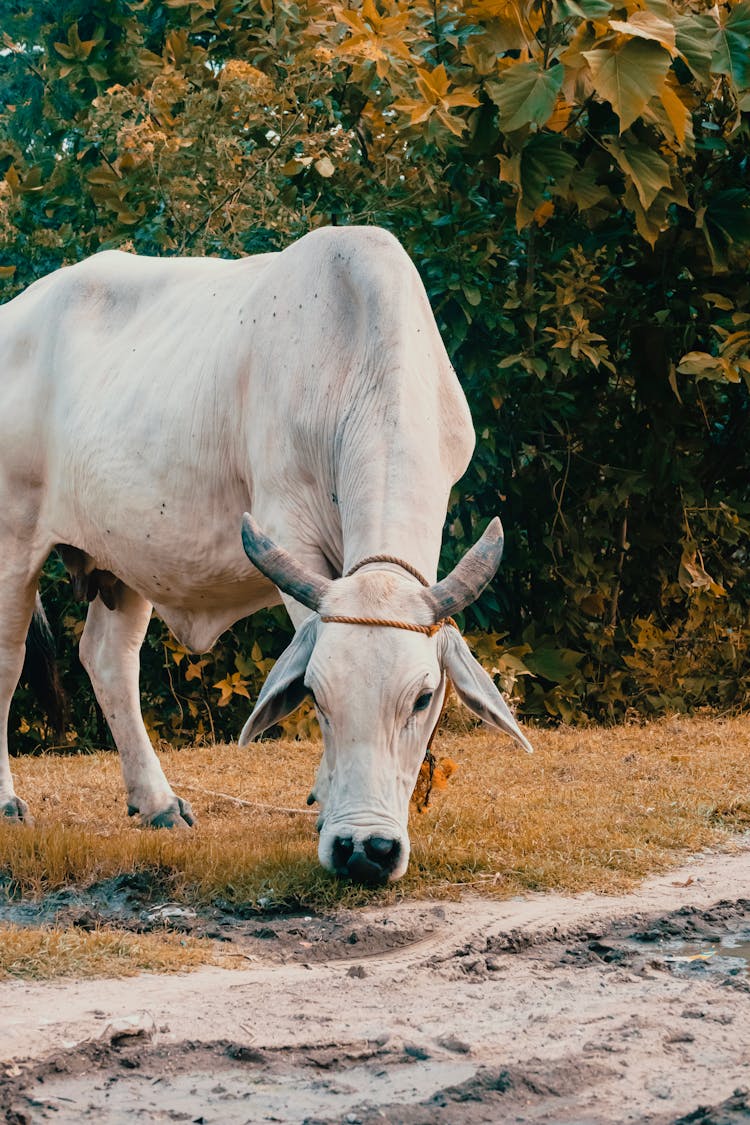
(591, 809)
(42, 954)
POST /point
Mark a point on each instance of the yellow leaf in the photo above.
(647, 25)
(482, 57)
(673, 382)
(461, 97)
(647, 171)
(295, 166)
(176, 44)
(593, 603)
(7, 271)
(102, 175)
(704, 366)
(194, 669)
(560, 115)
(544, 212)
(232, 684)
(325, 167)
(455, 124)
(627, 76)
(507, 23)
(719, 300)
(432, 84)
(85, 47)
(692, 574)
(676, 110)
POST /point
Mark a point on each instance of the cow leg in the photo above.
(17, 594)
(110, 653)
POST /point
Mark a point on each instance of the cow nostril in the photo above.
(343, 847)
(383, 852)
(368, 861)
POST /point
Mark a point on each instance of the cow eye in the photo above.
(423, 702)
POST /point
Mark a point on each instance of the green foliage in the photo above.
(571, 179)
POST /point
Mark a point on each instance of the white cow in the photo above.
(145, 403)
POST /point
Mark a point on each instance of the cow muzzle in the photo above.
(371, 861)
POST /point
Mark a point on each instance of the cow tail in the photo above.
(40, 670)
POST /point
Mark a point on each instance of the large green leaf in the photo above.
(652, 221)
(526, 94)
(585, 191)
(725, 224)
(648, 171)
(694, 38)
(730, 211)
(627, 75)
(731, 47)
(554, 664)
(542, 167)
(581, 9)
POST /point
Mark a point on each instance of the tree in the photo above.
(571, 179)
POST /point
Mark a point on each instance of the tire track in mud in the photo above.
(239, 1085)
(545, 1010)
(359, 1084)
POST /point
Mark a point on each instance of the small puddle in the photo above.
(236, 1096)
(727, 956)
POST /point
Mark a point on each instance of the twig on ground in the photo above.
(249, 804)
(480, 881)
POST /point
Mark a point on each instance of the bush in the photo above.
(570, 177)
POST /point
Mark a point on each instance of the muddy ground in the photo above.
(566, 1010)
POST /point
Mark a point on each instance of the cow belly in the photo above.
(199, 629)
(197, 578)
(184, 555)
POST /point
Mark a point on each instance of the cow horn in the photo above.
(469, 577)
(278, 565)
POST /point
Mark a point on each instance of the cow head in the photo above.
(378, 691)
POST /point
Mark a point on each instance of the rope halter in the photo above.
(428, 630)
(410, 626)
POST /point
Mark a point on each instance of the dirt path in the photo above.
(545, 1009)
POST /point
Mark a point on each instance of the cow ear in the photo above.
(475, 688)
(285, 688)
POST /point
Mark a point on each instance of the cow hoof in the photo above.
(177, 814)
(16, 811)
